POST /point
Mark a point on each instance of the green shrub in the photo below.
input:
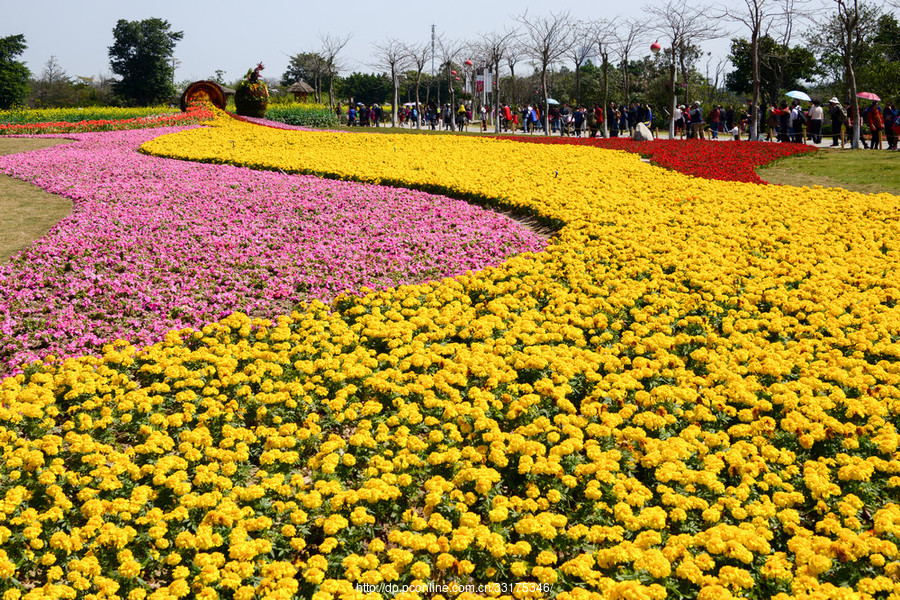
(305, 115)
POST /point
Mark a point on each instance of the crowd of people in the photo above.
(793, 123)
(785, 122)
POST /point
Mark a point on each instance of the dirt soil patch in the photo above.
(28, 212)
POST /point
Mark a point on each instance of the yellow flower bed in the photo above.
(692, 393)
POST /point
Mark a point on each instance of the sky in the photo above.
(235, 36)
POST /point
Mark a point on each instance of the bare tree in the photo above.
(449, 53)
(604, 41)
(514, 56)
(496, 47)
(756, 16)
(331, 48)
(850, 41)
(681, 23)
(581, 49)
(626, 36)
(392, 57)
(418, 57)
(546, 40)
(51, 85)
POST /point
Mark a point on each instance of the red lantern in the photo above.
(457, 78)
(453, 72)
(468, 63)
(655, 47)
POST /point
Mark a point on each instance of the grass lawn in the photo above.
(28, 213)
(866, 171)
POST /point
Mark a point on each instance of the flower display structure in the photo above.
(252, 94)
(692, 393)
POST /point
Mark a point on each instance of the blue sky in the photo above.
(235, 36)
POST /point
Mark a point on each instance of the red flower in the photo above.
(725, 161)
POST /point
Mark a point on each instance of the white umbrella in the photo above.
(552, 101)
(798, 95)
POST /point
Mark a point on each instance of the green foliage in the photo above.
(875, 52)
(14, 74)
(367, 88)
(141, 56)
(309, 67)
(781, 68)
(304, 115)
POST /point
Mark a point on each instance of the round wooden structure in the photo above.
(204, 90)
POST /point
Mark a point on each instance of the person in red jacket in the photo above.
(875, 121)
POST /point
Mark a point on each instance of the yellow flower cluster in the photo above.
(694, 392)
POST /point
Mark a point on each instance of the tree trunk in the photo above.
(673, 79)
(605, 106)
(754, 108)
(545, 121)
(496, 96)
(854, 104)
(396, 97)
(418, 104)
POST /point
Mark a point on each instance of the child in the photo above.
(736, 132)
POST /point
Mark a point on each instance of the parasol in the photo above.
(798, 95)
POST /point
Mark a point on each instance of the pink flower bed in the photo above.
(156, 244)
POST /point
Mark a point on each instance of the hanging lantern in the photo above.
(457, 78)
(468, 63)
(453, 72)
(655, 47)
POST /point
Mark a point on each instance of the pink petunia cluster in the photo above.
(155, 244)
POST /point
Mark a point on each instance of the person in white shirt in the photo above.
(816, 117)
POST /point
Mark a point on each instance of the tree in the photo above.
(418, 57)
(682, 24)
(392, 56)
(496, 47)
(142, 56)
(331, 48)
(580, 50)
(877, 65)
(546, 40)
(367, 88)
(846, 29)
(309, 67)
(626, 37)
(54, 88)
(603, 40)
(777, 69)
(449, 53)
(14, 75)
(756, 16)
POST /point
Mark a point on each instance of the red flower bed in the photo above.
(726, 161)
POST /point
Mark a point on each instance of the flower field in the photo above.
(57, 121)
(693, 392)
(156, 245)
(720, 161)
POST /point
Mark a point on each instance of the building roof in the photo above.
(301, 87)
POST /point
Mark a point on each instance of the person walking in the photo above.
(875, 120)
(697, 121)
(797, 120)
(816, 117)
(890, 121)
(714, 120)
(838, 117)
(612, 119)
